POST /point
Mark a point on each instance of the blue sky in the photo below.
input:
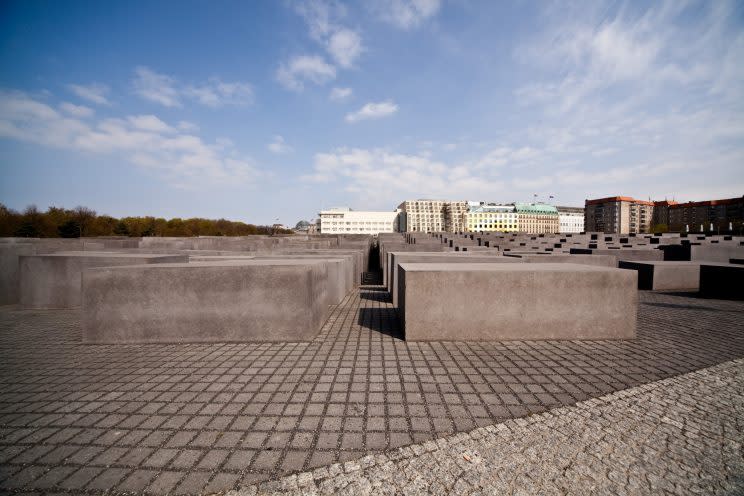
(258, 111)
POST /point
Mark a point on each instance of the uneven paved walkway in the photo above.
(683, 435)
(193, 418)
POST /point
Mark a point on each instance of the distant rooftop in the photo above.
(491, 208)
(536, 208)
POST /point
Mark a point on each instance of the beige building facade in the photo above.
(537, 218)
(432, 215)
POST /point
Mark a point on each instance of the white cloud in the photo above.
(278, 145)
(188, 127)
(345, 46)
(169, 92)
(300, 69)
(324, 20)
(321, 16)
(76, 110)
(373, 111)
(93, 92)
(183, 159)
(216, 93)
(340, 94)
(648, 54)
(155, 87)
(407, 14)
(381, 177)
(149, 123)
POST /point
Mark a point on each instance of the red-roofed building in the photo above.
(698, 216)
(618, 214)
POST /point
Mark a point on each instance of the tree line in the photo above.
(59, 222)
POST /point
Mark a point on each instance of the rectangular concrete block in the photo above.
(205, 302)
(665, 276)
(622, 253)
(724, 281)
(340, 272)
(54, 280)
(10, 254)
(596, 260)
(720, 253)
(398, 258)
(485, 302)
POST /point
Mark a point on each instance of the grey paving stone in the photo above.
(356, 389)
(676, 436)
(137, 481)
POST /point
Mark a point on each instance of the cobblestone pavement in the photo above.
(683, 435)
(206, 417)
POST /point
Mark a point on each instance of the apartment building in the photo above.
(536, 218)
(432, 215)
(491, 218)
(660, 215)
(700, 216)
(347, 221)
(618, 214)
(454, 216)
(570, 219)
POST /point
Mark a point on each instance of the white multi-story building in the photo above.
(491, 218)
(570, 220)
(347, 221)
(433, 215)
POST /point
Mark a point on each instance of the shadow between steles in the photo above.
(381, 319)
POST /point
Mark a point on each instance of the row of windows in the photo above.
(369, 229)
(349, 223)
(480, 216)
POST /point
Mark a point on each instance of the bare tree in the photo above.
(83, 216)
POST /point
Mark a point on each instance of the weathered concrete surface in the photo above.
(54, 280)
(676, 436)
(205, 302)
(484, 302)
(725, 281)
(10, 269)
(387, 248)
(665, 275)
(623, 254)
(596, 260)
(432, 257)
(341, 268)
(720, 252)
(359, 257)
(340, 272)
(396, 257)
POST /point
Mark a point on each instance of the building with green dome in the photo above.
(537, 218)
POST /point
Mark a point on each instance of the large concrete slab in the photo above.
(724, 281)
(54, 280)
(720, 252)
(485, 302)
(205, 302)
(395, 257)
(387, 248)
(596, 260)
(340, 272)
(622, 254)
(433, 257)
(358, 257)
(10, 254)
(665, 275)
